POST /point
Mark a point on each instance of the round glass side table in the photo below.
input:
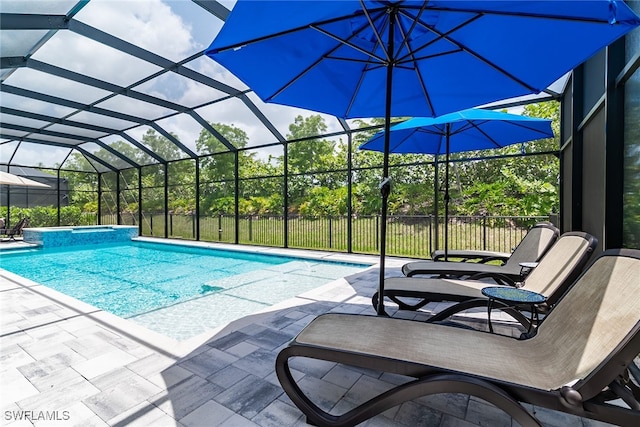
(514, 297)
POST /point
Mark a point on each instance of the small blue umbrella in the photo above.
(395, 58)
(467, 130)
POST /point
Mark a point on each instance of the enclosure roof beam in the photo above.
(57, 120)
(63, 145)
(140, 53)
(80, 139)
(173, 139)
(213, 131)
(142, 147)
(214, 8)
(71, 104)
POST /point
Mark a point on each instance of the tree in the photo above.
(218, 175)
(411, 177)
(310, 160)
(523, 185)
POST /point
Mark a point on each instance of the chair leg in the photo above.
(430, 384)
(401, 304)
(482, 302)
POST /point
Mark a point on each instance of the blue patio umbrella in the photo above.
(467, 130)
(386, 58)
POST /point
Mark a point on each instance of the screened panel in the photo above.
(631, 205)
(56, 86)
(28, 154)
(182, 90)
(153, 201)
(321, 201)
(174, 30)
(114, 123)
(129, 150)
(106, 156)
(19, 42)
(260, 212)
(105, 65)
(135, 107)
(31, 105)
(157, 143)
(234, 112)
(22, 121)
(77, 131)
(217, 211)
(182, 199)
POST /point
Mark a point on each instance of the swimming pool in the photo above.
(177, 290)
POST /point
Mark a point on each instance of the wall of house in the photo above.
(600, 154)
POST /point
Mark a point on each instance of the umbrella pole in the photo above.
(436, 197)
(446, 198)
(385, 185)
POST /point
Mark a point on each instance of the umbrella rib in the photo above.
(341, 43)
(234, 46)
(415, 20)
(476, 124)
(526, 15)
(447, 36)
(375, 30)
(344, 42)
(425, 92)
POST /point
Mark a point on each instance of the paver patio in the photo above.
(79, 366)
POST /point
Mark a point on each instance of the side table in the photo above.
(515, 297)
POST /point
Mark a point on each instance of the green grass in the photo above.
(406, 236)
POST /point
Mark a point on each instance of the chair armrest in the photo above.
(478, 256)
(500, 279)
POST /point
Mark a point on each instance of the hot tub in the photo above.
(82, 235)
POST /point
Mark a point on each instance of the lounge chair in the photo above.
(16, 230)
(532, 247)
(481, 256)
(555, 272)
(577, 362)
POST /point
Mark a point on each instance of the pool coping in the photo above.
(180, 348)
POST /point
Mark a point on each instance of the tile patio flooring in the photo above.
(64, 359)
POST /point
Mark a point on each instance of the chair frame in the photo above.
(465, 302)
(588, 397)
(454, 269)
(16, 229)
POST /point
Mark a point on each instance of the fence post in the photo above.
(219, 227)
(151, 224)
(170, 224)
(250, 228)
(377, 232)
(430, 224)
(484, 232)
(193, 225)
(330, 233)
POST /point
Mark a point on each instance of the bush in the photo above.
(47, 216)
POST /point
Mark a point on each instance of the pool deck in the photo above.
(65, 359)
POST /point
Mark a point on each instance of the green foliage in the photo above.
(318, 176)
(47, 216)
(324, 202)
(221, 206)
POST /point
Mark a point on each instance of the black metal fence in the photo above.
(408, 236)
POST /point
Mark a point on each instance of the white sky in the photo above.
(174, 29)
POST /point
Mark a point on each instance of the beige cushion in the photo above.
(585, 328)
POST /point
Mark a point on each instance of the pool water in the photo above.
(177, 290)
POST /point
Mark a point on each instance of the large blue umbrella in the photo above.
(466, 130)
(386, 58)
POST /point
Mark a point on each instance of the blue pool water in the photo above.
(176, 290)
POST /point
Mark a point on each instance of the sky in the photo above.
(173, 29)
